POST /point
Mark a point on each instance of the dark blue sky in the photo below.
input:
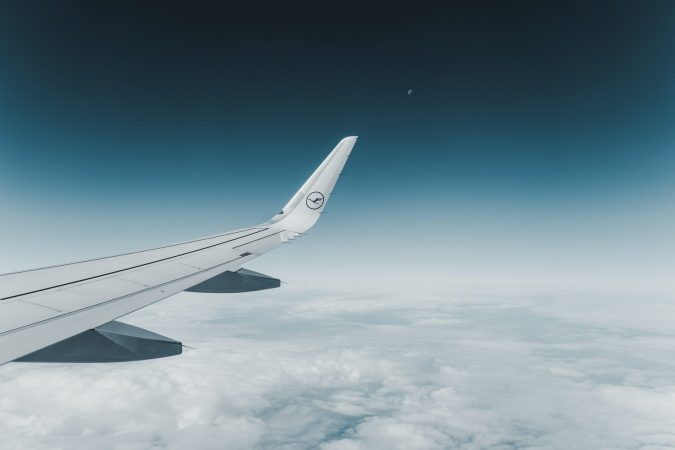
(537, 144)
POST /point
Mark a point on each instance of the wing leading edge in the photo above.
(42, 307)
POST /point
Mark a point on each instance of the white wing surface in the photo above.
(42, 307)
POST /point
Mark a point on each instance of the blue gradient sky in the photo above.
(537, 146)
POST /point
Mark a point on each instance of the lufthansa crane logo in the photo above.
(315, 200)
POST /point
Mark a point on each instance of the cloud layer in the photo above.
(311, 368)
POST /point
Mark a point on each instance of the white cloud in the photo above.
(297, 369)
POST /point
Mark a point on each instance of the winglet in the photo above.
(304, 208)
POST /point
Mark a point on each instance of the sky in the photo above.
(536, 146)
(495, 270)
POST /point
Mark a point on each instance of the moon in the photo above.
(410, 91)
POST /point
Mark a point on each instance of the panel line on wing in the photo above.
(254, 240)
(43, 306)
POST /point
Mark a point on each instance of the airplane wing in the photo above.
(67, 313)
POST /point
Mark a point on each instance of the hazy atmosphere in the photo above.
(494, 271)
